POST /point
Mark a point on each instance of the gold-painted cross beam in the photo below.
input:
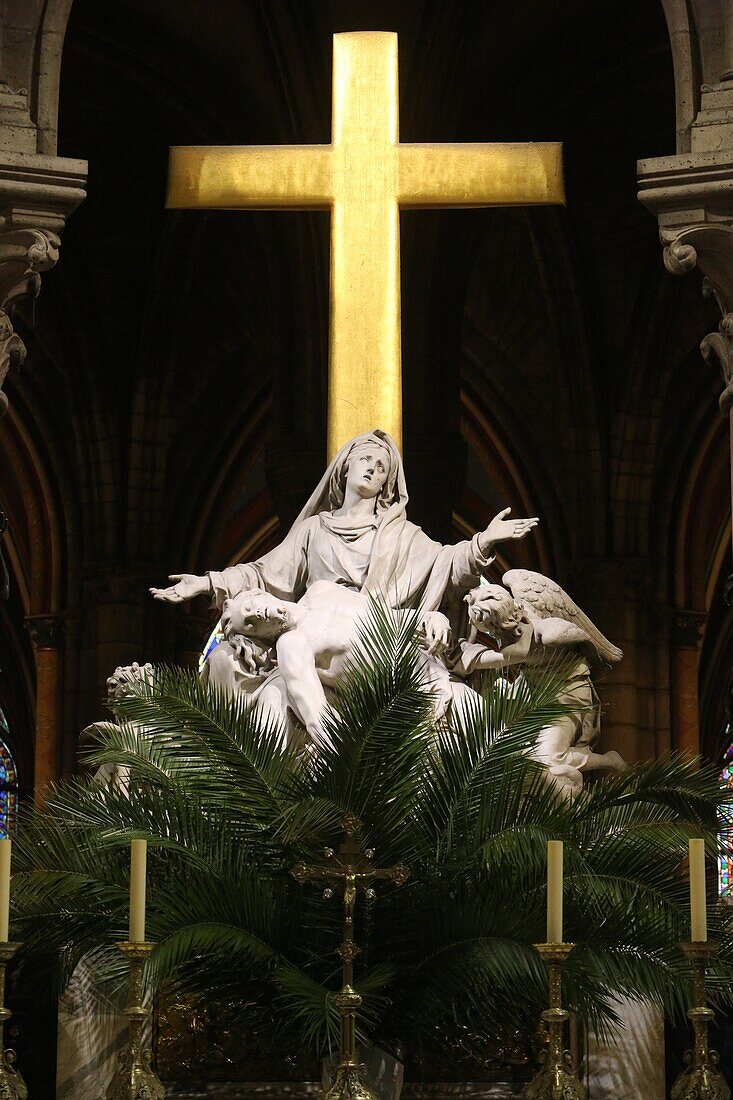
(364, 177)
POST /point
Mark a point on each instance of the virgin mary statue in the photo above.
(354, 531)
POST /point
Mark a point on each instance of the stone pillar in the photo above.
(691, 195)
(37, 193)
(47, 634)
(38, 190)
(685, 640)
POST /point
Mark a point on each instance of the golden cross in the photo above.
(363, 177)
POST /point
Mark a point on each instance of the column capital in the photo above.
(37, 194)
(46, 631)
(692, 197)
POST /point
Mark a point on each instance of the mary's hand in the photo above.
(502, 529)
(186, 587)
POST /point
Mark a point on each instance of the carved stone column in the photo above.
(692, 197)
(38, 190)
(47, 634)
(686, 636)
(37, 193)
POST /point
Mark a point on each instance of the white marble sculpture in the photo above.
(354, 531)
(535, 622)
(118, 686)
(290, 654)
(290, 618)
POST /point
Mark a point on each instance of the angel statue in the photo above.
(533, 620)
(354, 532)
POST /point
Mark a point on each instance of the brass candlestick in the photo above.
(135, 1078)
(701, 1079)
(12, 1085)
(352, 866)
(556, 1079)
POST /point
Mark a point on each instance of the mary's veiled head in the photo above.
(369, 467)
(329, 493)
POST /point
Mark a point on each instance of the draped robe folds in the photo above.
(385, 556)
(406, 570)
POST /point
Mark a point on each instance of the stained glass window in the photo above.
(8, 783)
(216, 636)
(725, 863)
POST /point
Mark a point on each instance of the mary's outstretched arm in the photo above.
(282, 571)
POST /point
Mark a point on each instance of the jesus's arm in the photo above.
(297, 663)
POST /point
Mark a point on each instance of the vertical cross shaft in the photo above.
(364, 177)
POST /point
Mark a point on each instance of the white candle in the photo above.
(138, 869)
(554, 891)
(5, 850)
(698, 893)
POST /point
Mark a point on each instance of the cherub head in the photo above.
(493, 610)
(256, 614)
(118, 684)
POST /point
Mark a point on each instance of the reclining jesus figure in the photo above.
(310, 642)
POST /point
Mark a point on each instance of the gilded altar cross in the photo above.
(363, 177)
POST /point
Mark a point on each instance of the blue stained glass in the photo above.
(8, 784)
(216, 636)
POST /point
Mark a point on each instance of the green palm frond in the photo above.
(227, 812)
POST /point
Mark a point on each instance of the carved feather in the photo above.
(543, 598)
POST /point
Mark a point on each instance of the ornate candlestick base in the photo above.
(12, 1085)
(556, 1079)
(135, 1078)
(701, 1079)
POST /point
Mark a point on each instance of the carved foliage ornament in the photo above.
(24, 254)
(717, 349)
(679, 258)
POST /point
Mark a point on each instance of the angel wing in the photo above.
(543, 598)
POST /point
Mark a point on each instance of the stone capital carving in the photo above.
(24, 254)
(46, 631)
(717, 348)
(37, 193)
(692, 196)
